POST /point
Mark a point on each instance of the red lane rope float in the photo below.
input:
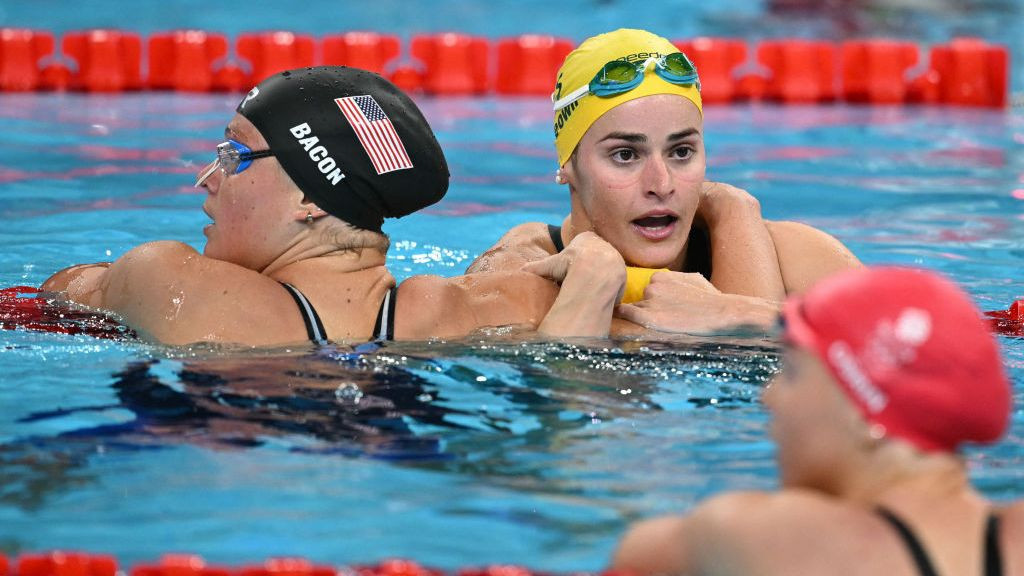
(962, 72)
(108, 60)
(1009, 322)
(59, 563)
(183, 60)
(28, 308)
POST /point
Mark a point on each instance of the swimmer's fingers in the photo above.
(635, 313)
(587, 254)
(667, 284)
(719, 200)
(554, 267)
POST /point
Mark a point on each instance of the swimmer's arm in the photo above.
(146, 287)
(524, 243)
(807, 255)
(127, 286)
(435, 307)
(709, 540)
(592, 275)
(167, 292)
(82, 283)
(687, 303)
(743, 255)
(655, 546)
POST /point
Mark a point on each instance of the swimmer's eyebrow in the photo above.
(637, 138)
(683, 134)
(230, 134)
(627, 136)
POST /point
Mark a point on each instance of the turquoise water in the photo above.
(454, 453)
(450, 453)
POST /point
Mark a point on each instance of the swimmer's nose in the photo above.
(206, 173)
(657, 179)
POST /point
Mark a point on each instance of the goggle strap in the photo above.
(571, 97)
(255, 155)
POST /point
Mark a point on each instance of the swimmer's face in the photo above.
(636, 176)
(813, 424)
(252, 211)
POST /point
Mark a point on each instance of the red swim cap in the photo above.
(910, 350)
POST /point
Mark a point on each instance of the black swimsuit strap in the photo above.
(556, 237)
(924, 564)
(314, 327)
(993, 559)
(384, 328)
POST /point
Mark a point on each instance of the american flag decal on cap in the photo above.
(376, 133)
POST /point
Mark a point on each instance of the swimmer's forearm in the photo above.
(743, 255)
(584, 306)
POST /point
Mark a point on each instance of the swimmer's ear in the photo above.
(567, 173)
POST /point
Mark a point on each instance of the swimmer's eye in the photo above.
(683, 153)
(624, 155)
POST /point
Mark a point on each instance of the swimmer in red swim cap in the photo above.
(887, 373)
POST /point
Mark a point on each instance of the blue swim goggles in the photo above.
(232, 157)
(619, 76)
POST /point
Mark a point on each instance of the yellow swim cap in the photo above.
(637, 280)
(583, 63)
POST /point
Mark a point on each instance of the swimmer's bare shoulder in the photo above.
(437, 307)
(170, 293)
(807, 254)
(788, 532)
(524, 243)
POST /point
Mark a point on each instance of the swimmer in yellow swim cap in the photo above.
(629, 134)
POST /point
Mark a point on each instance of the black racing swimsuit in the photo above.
(993, 559)
(698, 249)
(383, 329)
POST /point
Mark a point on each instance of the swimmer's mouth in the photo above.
(655, 221)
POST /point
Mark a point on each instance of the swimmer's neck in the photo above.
(329, 259)
(890, 479)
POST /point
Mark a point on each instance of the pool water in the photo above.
(460, 453)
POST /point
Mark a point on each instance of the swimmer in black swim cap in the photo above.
(352, 141)
(312, 163)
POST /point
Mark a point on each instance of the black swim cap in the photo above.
(351, 141)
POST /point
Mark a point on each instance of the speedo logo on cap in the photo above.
(317, 153)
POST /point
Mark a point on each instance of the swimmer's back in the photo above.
(797, 532)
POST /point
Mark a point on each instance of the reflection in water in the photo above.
(501, 411)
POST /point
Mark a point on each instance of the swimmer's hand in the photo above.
(592, 275)
(687, 303)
